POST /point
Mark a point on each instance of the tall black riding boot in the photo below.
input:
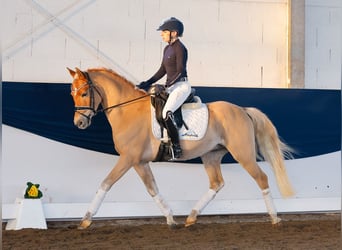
(173, 133)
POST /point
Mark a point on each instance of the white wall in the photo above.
(69, 177)
(323, 44)
(231, 43)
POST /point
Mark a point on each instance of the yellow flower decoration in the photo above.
(32, 191)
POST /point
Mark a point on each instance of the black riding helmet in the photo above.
(172, 24)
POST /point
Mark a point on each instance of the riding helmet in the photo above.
(172, 24)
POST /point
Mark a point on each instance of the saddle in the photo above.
(158, 99)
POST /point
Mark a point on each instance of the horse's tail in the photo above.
(271, 148)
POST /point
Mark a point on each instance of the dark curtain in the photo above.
(307, 120)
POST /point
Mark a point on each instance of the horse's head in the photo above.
(85, 96)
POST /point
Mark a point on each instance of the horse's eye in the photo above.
(84, 94)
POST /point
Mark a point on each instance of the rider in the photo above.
(174, 66)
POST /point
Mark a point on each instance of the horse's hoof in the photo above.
(192, 218)
(276, 222)
(84, 224)
(171, 222)
(189, 223)
(174, 226)
(277, 225)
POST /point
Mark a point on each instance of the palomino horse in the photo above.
(230, 128)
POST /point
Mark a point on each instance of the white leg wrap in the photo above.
(97, 201)
(269, 202)
(205, 199)
(162, 204)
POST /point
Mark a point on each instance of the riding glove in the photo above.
(144, 85)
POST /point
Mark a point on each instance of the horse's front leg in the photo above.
(145, 173)
(117, 172)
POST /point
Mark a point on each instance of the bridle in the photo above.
(92, 89)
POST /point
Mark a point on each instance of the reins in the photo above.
(122, 103)
(92, 99)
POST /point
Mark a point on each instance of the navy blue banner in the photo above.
(307, 120)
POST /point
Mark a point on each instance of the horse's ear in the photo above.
(80, 74)
(72, 73)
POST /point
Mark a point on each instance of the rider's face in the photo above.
(166, 35)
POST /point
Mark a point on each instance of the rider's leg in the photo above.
(173, 133)
(177, 95)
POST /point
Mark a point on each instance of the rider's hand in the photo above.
(144, 85)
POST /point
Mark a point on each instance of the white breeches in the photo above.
(177, 95)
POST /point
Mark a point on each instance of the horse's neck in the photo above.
(126, 118)
(113, 90)
(121, 95)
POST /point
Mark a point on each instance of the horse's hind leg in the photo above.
(270, 206)
(145, 173)
(211, 161)
(248, 162)
(261, 179)
(241, 145)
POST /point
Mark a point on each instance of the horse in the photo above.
(244, 132)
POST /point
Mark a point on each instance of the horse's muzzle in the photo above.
(83, 121)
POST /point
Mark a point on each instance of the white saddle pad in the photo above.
(195, 116)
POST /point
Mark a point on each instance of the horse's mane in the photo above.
(114, 74)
